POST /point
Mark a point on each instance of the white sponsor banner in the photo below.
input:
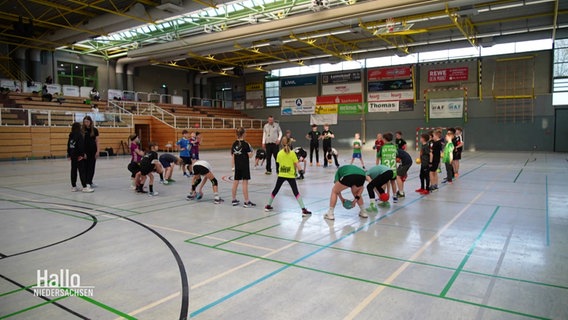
(70, 91)
(114, 93)
(36, 86)
(383, 106)
(446, 108)
(10, 84)
(322, 119)
(293, 106)
(177, 100)
(53, 88)
(391, 95)
(238, 105)
(341, 88)
(255, 95)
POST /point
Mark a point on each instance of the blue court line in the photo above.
(547, 217)
(277, 271)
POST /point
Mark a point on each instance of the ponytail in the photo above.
(285, 144)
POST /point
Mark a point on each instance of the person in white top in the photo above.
(271, 136)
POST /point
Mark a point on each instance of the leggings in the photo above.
(77, 165)
(378, 183)
(449, 171)
(424, 177)
(292, 183)
(90, 167)
(314, 147)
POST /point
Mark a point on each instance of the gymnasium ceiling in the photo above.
(225, 37)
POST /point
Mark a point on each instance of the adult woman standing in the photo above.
(91, 148)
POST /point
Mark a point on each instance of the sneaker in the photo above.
(400, 194)
(94, 185)
(190, 196)
(199, 196)
(363, 214)
(329, 216)
(141, 191)
(249, 204)
(235, 202)
(419, 190)
(165, 182)
(424, 192)
(268, 208)
(306, 212)
(88, 189)
(268, 173)
(394, 200)
(384, 204)
(171, 180)
(153, 193)
(217, 200)
(74, 189)
(372, 208)
(185, 174)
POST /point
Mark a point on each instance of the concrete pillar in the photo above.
(130, 77)
(35, 61)
(119, 76)
(20, 60)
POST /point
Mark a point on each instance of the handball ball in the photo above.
(347, 204)
(384, 197)
(418, 161)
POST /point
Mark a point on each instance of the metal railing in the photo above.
(43, 117)
(182, 122)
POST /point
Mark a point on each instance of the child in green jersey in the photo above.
(449, 155)
(357, 146)
(388, 154)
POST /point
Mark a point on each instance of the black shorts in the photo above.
(457, 155)
(200, 170)
(402, 171)
(435, 165)
(144, 170)
(186, 160)
(353, 180)
(242, 173)
(133, 167)
(165, 164)
(195, 156)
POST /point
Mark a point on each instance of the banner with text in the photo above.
(386, 106)
(299, 81)
(394, 73)
(345, 88)
(296, 106)
(350, 108)
(448, 75)
(446, 108)
(390, 89)
(341, 77)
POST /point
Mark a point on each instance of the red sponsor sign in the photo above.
(340, 99)
(448, 75)
(393, 73)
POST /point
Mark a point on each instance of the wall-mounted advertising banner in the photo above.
(326, 108)
(299, 81)
(448, 75)
(296, 106)
(323, 119)
(238, 105)
(390, 85)
(391, 95)
(341, 77)
(446, 108)
(345, 88)
(393, 73)
(350, 108)
(71, 91)
(386, 106)
(340, 99)
(254, 104)
(254, 86)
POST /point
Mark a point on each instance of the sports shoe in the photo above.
(199, 196)
(268, 173)
(185, 174)
(424, 192)
(384, 204)
(394, 200)
(249, 204)
(153, 193)
(140, 190)
(306, 212)
(329, 216)
(165, 182)
(88, 189)
(94, 185)
(363, 214)
(372, 208)
(400, 194)
(74, 189)
(171, 180)
(217, 200)
(190, 196)
(235, 202)
(268, 208)
(419, 190)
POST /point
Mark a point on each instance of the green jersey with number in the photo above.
(448, 152)
(388, 155)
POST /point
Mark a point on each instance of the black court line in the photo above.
(184, 310)
(93, 224)
(2, 256)
(57, 304)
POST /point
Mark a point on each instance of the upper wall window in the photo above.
(76, 74)
(272, 93)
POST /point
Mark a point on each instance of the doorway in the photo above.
(143, 132)
(561, 129)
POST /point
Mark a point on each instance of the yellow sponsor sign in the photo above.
(326, 108)
(254, 86)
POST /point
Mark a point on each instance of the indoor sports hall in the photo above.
(180, 159)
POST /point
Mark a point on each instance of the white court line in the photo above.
(363, 304)
(152, 305)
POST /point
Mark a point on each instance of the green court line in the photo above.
(468, 254)
(517, 177)
(32, 307)
(433, 295)
(16, 291)
(515, 279)
(245, 235)
(102, 305)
